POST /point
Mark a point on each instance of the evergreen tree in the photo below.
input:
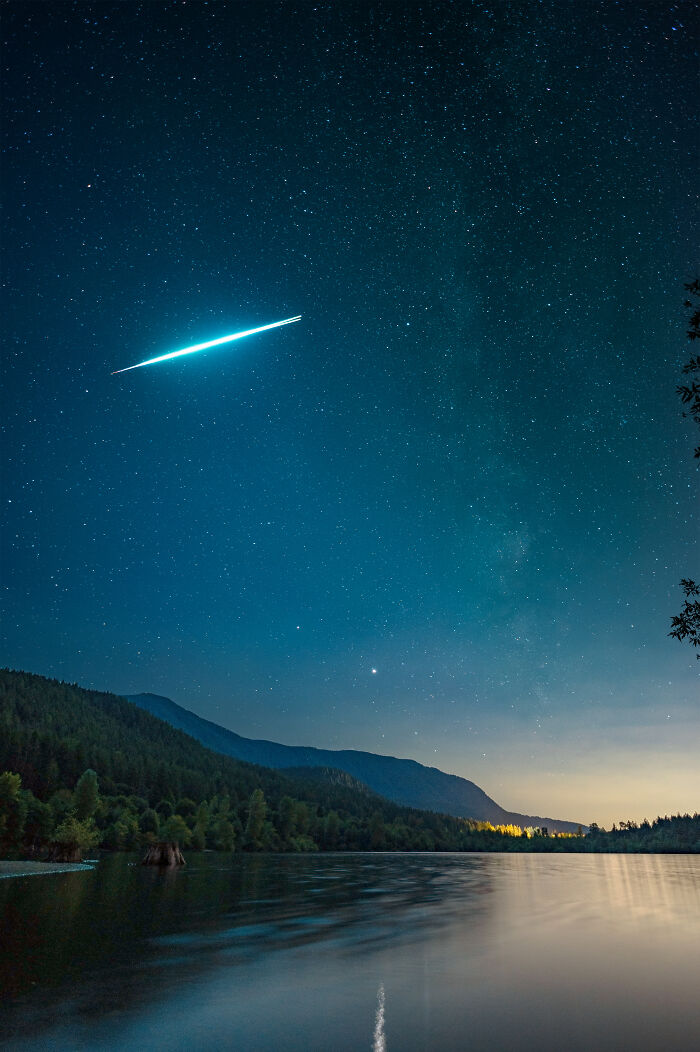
(39, 823)
(13, 810)
(302, 817)
(86, 795)
(286, 819)
(257, 813)
(331, 830)
(377, 833)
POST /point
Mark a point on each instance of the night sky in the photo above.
(444, 515)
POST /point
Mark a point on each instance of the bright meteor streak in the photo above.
(209, 343)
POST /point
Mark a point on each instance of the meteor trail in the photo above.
(210, 343)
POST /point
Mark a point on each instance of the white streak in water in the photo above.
(210, 343)
(379, 1044)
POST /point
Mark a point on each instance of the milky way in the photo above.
(445, 518)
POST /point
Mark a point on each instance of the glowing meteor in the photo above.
(209, 343)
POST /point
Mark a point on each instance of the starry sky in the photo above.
(443, 516)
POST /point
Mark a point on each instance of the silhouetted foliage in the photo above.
(686, 625)
(690, 392)
(678, 834)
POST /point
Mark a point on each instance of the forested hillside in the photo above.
(154, 781)
(85, 768)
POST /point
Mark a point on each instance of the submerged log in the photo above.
(164, 853)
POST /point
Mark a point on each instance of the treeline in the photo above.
(71, 823)
(61, 745)
(80, 768)
(674, 834)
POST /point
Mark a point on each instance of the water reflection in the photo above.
(379, 1037)
(303, 952)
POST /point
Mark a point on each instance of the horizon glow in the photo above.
(209, 343)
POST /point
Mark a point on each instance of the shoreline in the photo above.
(37, 869)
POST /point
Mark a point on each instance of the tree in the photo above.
(86, 796)
(690, 392)
(286, 819)
(74, 837)
(331, 830)
(186, 807)
(257, 813)
(686, 625)
(39, 823)
(175, 830)
(224, 835)
(201, 824)
(13, 810)
(302, 817)
(149, 822)
(123, 834)
(377, 833)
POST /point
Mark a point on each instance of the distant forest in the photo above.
(81, 769)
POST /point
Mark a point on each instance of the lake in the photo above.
(395, 952)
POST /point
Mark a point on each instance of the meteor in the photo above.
(210, 343)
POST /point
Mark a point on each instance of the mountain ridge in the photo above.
(404, 781)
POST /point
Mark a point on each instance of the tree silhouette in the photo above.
(690, 392)
(686, 625)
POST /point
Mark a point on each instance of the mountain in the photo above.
(406, 782)
(55, 735)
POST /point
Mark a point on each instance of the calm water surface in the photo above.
(350, 952)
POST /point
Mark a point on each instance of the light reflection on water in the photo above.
(304, 952)
(379, 1044)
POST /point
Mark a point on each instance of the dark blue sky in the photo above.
(446, 514)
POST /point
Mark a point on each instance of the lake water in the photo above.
(356, 951)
